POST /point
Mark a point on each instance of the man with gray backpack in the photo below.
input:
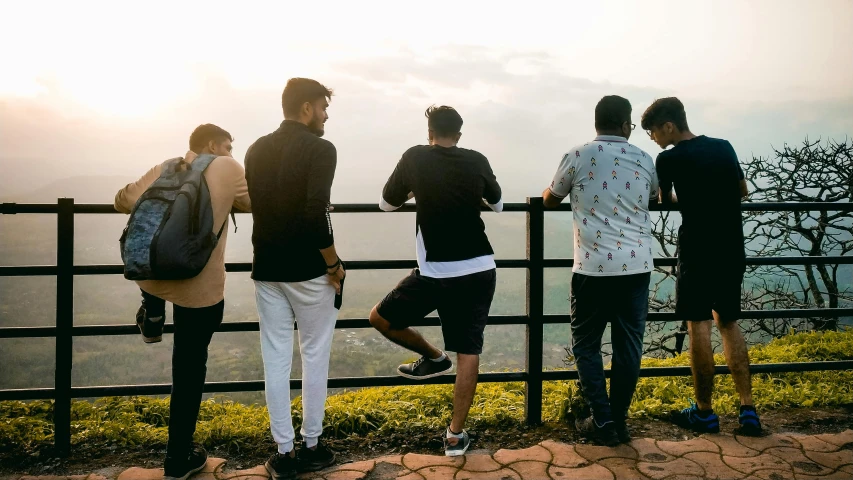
(174, 248)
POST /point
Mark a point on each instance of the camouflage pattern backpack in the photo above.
(169, 235)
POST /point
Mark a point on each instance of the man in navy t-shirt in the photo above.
(711, 261)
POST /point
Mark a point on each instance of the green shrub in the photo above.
(27, 427)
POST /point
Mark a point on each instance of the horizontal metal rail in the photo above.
(533, 376)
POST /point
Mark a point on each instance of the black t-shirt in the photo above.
(289, 173)
(449, 185)
(706, 175)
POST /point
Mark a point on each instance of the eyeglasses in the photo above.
(650, 134)
(633, 126)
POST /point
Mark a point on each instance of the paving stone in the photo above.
(832, 460)
(623, 468)
(416, 461)
(693, 445)
(731, 447)
(589, 472)
(364, 466)
(838, 475)
(648, 451)
(594, 453)
(481, 463)
(392, 459)
(799, 462)
(137, 473)
(346, 475)
(536, 453)
(213, 464)
(774, 475)
(848, 469)
(564, 455)
(679, 466)
(258, 471)
(438, 472)
(411, 476)
(94, 476)
(770, 441)
(811, 443)
(760, 462)
(530, 469)
(839, 439)
(502, 474)
(712, 464)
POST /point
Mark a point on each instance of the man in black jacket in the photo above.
(456, 263)
(296, 269)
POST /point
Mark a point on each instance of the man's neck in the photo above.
(685, 135)
(610, 133)
(444, 142)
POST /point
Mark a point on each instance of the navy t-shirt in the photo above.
(706, 175)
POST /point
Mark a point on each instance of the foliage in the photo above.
(26, 427)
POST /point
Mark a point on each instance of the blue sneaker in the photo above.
(693, 419)
(750, 425)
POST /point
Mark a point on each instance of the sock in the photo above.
(705, 413)
(450, 433)
(747, 408)
(440, 359)
(311, 442)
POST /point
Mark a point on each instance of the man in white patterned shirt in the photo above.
(610, 183)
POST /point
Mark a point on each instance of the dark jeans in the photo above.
(194, 329)
(622, 301)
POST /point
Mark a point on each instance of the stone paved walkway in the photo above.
(776, 457)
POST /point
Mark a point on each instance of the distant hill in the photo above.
(83, 189)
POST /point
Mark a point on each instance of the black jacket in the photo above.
(290, 174)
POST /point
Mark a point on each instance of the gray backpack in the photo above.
(169, 235)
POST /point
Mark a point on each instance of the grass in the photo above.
(26, 427)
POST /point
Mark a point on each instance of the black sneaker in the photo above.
(281, 466)
(604, 435)
(464, 441)
(316, 459)
(749, 424)
(150, 319)
(424, 368)
(182, 469)
(622, 432)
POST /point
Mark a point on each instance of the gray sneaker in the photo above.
(603, 435)
(461, 445)
(424, 368)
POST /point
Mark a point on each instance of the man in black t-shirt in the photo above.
(711, 261)
(456, 264)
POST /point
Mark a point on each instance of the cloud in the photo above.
(519, 108)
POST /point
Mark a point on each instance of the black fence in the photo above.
(535, 264)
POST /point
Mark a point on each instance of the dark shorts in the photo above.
(703, 287)
(462, 302)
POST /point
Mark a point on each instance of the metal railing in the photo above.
(534, 319)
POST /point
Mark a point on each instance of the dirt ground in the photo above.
(109, 461)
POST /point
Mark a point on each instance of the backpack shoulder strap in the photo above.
(170, 165)
(202, 162)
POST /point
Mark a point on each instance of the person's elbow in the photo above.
(550, 200)
(744, 189)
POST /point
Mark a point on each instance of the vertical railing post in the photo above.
(64, 324)
(535, 304)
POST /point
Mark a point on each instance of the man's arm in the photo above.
(126, 198)
(321, 174)
(242, 201)
(492, 194)
(561, 185)
(667, 196)
(397, 191)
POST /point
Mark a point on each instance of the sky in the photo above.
(111, 88)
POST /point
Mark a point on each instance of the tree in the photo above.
(812, 172)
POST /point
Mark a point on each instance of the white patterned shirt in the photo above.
(609, 182)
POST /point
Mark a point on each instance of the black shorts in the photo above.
(462, 302)
(703, 287)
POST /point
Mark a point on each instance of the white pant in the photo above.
(311, 305)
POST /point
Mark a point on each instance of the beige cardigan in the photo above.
(227, 183)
